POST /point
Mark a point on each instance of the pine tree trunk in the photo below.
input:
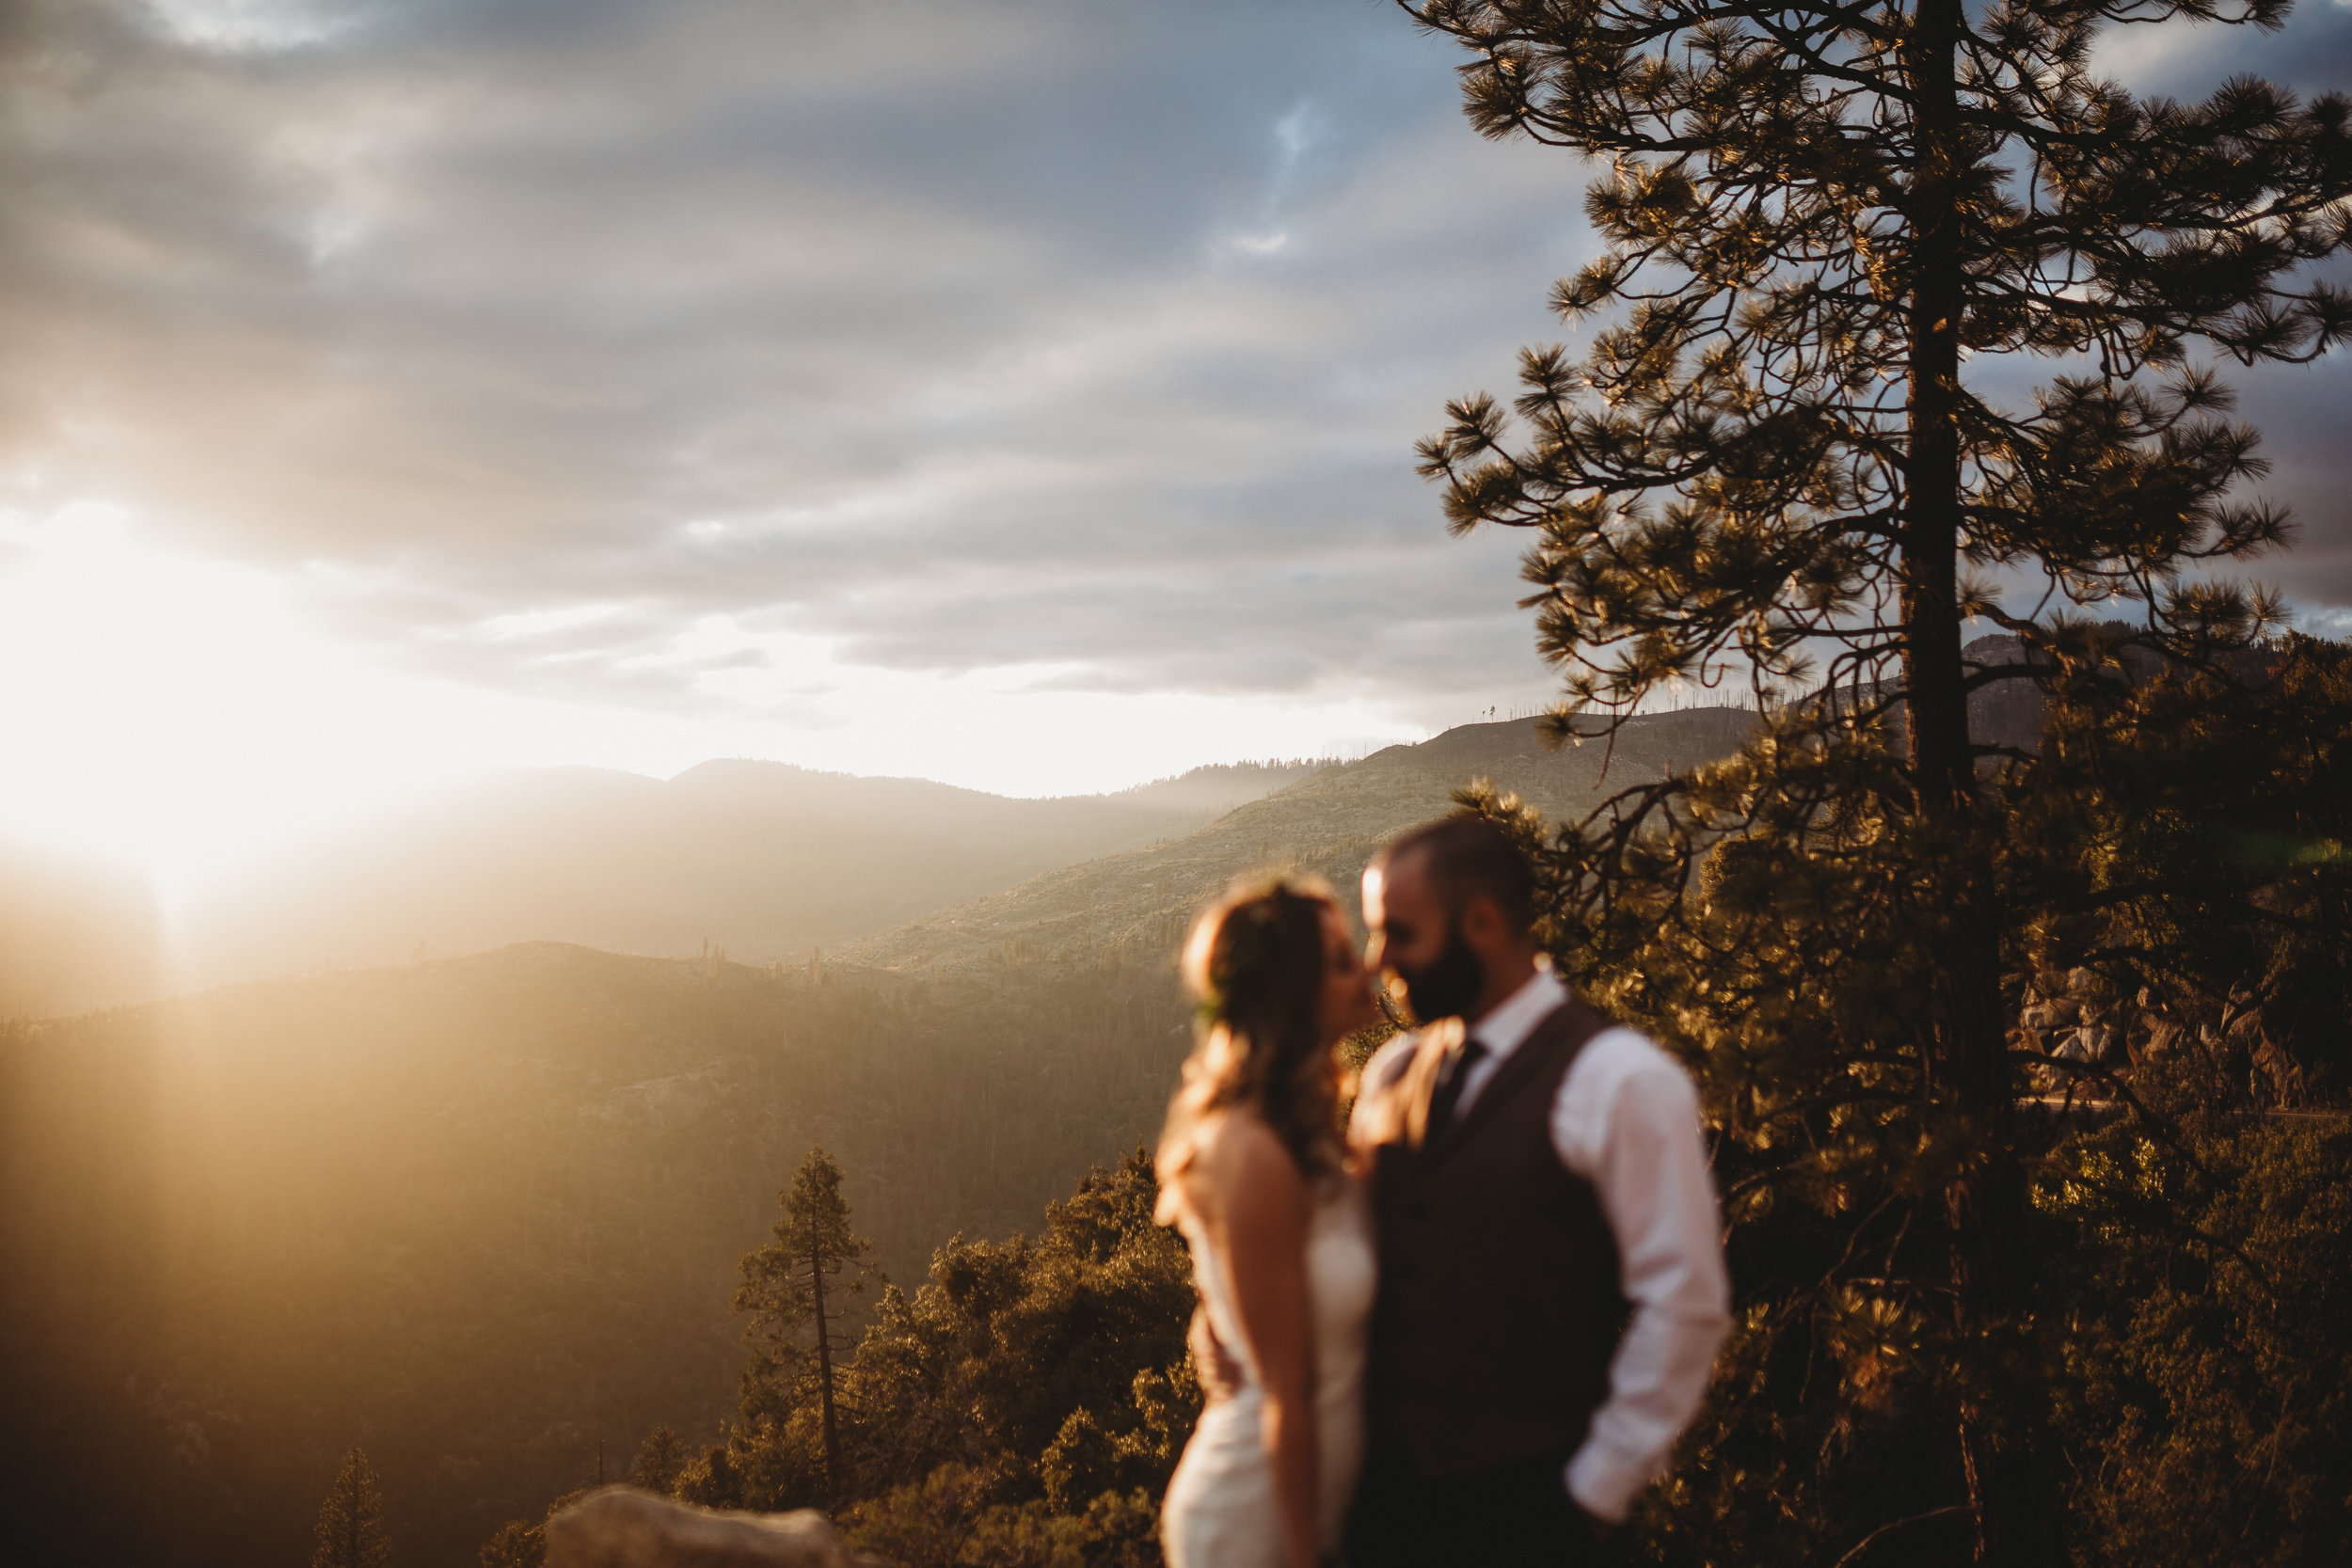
(1986, 1204)
(1935, 700)
(1973, 1049)
(825, 1380)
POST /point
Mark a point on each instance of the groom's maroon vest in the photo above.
(1499, 1305)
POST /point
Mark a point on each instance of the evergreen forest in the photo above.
(483, 1216)
(500, 1221)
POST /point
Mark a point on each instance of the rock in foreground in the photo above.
(623, 1528)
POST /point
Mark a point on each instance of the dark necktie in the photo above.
(1448, 1092)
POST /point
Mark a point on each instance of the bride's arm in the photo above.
(1257, 1209)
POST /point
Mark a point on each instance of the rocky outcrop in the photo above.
(623, 1528)
(2077, 1026)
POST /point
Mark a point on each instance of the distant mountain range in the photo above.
(769, 862)
(1328, 823)
(482, 1212)
(764, 861)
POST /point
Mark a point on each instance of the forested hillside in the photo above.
(483, 1213)
(1138, 901)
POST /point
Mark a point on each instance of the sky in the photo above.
(1015, 394)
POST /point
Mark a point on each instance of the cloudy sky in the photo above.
(1014, 392)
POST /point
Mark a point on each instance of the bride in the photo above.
(1251, 1172)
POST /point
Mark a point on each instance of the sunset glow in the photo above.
(490, 395)
(190, 713)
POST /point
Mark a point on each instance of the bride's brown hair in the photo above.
(1256, 962)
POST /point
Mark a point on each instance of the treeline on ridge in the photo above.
(484, 1217)
(2179, 985)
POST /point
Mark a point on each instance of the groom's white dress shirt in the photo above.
(1627, 1120)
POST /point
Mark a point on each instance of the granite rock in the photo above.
(623, 1528)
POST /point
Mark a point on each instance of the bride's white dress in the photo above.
(1221, 1510)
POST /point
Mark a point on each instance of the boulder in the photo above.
(623, 1528)
(2047, 1013)
(2164, 1038)
(2278, 1078)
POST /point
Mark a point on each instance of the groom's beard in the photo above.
(1449, 985)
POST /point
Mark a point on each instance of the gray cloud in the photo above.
(2304, 412)
(1089, 333)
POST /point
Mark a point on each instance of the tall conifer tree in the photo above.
(787, 1286)
(659, 1461)
(1772, 462)
(350, 1529)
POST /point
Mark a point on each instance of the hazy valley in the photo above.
(482, 1212)
(762, 859)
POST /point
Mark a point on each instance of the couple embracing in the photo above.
(1469, 1330)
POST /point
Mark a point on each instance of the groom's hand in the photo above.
(1218, 1373)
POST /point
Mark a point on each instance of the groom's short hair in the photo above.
(1468, 856)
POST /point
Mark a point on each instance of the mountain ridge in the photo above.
(1327, 824)
(486, 1210)
(766, 860)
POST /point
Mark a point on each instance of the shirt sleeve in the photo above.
(1627, 1119)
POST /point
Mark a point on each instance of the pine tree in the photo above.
(660, 1460)
(1776, 462)
(350, 1519)
(784, 1287)
(516, 1543)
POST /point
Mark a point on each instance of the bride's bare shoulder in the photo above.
(1234, 1152)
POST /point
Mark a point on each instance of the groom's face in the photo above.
(1417, 939)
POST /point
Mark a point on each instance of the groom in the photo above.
(1551, 1285)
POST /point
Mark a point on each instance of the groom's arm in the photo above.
(1627, 1119)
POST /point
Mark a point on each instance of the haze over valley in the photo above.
(765, 861)
(485, 1209)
